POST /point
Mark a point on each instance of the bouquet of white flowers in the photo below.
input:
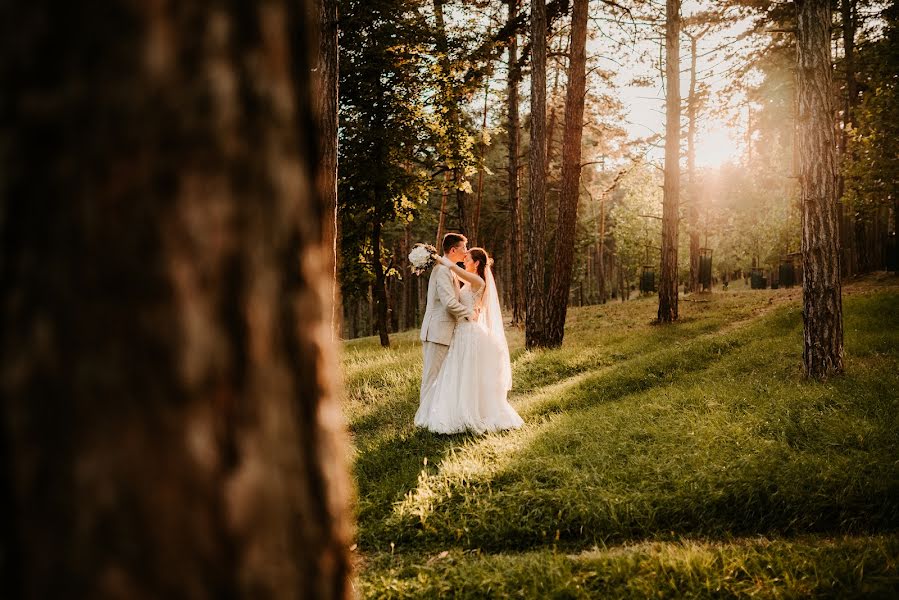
(422, 258)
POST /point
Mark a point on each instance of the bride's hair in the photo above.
(480, 256)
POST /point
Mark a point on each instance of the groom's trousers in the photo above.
(434, 355)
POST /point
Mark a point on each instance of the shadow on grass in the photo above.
(391, 453)
(743, 448)
(389, 468)
(587, 349)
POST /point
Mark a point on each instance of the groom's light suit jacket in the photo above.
(443, 309)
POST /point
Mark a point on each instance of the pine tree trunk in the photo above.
(668, 275)
(480, 193)
(410, 287)
(463, 202)
(422, 294)
(326, 97)
(601, 254)
(560, 284)
(822, 303)
(847, 213)
(354, 319)
(396, 290)
(517, 267)
(534, 298)
(693, 210)
(441, 220)
(551, 128)
(379, 289)
(167, 418)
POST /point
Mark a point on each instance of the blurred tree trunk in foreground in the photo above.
(169, 425)
(821, 293)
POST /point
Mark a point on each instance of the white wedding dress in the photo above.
(470, 391)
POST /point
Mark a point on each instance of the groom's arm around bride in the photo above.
(442, 312)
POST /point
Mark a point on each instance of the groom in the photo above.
(443, 310)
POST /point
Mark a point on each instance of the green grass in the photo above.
(758, 567)
(687, 460)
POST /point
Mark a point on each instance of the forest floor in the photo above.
(690, 460)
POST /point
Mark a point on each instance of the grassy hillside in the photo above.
(688, 460)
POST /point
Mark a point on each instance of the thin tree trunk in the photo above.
(441, 221)
(372, 321)
(354, 320)
(534, 298)
(466, 216)
(379, 289)
(410, 295)
(847, 214)
(396, 290)
(551, 129)
(514, 186)
(822, 303)
(480, 195)
(693, 209)
(601, 254)
(560, 284)
(422, 295)
(326, 96)
(668, 275)
(166, 424)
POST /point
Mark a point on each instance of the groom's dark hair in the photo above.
(451, 240)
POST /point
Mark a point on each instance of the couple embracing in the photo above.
(467, 372)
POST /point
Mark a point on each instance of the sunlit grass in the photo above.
(636, 432)
(755, 567)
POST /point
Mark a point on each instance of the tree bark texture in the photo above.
(693, 209)
(379, 290)
(441, 219)
(326, 96)
(169, 425)
(535, 289)
(560, 283)
(668, 274)
(480, 192)
(601, 253)
(847, 213)
(466, 214)
(822, 303)
(410, 283)
(551, 128)
(517, 266)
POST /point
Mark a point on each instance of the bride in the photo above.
(471, 388)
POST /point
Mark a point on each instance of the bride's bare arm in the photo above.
(472, 278)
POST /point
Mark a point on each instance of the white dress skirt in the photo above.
(469, 394)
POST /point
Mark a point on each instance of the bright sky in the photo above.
(718, 140)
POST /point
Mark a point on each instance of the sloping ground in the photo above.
(683, 460)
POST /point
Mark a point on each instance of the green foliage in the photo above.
(699, 448)
(872, 166)
(403, 87)
(752, 214)
(385, 125)
(636, 234)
